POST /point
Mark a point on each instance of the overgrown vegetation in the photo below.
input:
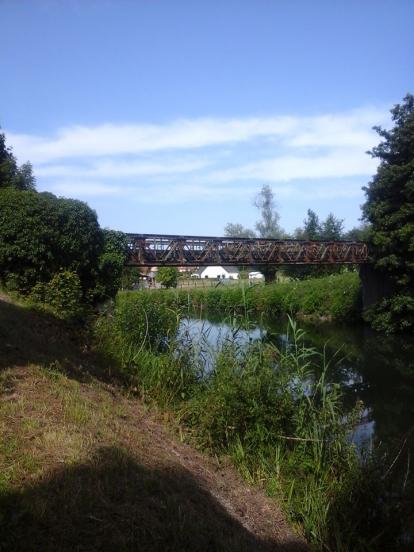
(53, 251)
(336, 297)
(167, 276)
(274, 412)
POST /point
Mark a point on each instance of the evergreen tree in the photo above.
(332, 228)
(311, 226)
(390, 210)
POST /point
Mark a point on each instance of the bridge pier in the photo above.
(375, 286)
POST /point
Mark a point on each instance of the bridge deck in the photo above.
(168, 250)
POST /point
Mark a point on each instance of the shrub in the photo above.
(64, 294)
(167, 276)
(42, 235)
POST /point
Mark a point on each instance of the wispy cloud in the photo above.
(333, 164)
(205, 158)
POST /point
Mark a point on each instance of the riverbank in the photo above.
(333, 297)
(271, 409)
(86, 464)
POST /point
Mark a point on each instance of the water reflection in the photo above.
(373, 368)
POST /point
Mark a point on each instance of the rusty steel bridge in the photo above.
(147, 250)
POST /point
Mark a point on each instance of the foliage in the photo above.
(138, 321)
(130, 277)
(359, 233)
(42, 235)
(64, 294)
(167, 276)
(238, 231)
(332, 228)
(337, 296)
(268, 226)
(274, 412)
(389, 208)
(11, 175)
(111, 265)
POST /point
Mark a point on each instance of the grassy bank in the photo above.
(336, 297)
(85, 465)
(272, 411)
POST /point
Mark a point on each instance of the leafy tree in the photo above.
(167, 276)
(41, 235)
(11, 176)
(389, 208)
(238, 231)
(268, 226)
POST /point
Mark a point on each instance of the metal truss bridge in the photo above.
(147, 250)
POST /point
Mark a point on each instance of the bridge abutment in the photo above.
(375, 286)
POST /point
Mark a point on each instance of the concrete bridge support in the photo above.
(375, 286)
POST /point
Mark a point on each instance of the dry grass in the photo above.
(84, 467)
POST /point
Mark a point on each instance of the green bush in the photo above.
(41, 235)
(167, 276)
(64, 294)
(133, 324)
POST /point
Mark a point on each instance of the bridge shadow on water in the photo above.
(112, 503)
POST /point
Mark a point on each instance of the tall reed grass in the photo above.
(337, 297)
(271, 409)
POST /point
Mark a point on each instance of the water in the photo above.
(373, 368)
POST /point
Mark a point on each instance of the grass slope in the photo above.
(83, 467)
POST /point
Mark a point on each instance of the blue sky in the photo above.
(169, 115)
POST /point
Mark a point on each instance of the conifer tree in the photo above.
(389, 209)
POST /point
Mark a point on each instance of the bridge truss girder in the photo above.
(147, 250)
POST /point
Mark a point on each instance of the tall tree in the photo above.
(332, 228)
(311, 226)
(235, 230)
(389, 208)
(268, 226)
(11, 175)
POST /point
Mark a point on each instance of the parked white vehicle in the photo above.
(256, 276)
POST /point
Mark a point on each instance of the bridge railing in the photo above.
(148, 250)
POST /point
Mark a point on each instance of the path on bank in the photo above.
(85, 467)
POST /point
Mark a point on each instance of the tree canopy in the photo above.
(42, 235)
(389, 208)
(11, 175)
(235, 230)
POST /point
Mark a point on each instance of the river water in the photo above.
(371, 367)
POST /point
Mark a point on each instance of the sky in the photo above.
(168, 116)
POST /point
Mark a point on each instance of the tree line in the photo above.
(332, 228)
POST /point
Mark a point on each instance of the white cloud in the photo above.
(335, 164)
(206, 158)
(110, 139)
(121, 169)
(342, 129)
